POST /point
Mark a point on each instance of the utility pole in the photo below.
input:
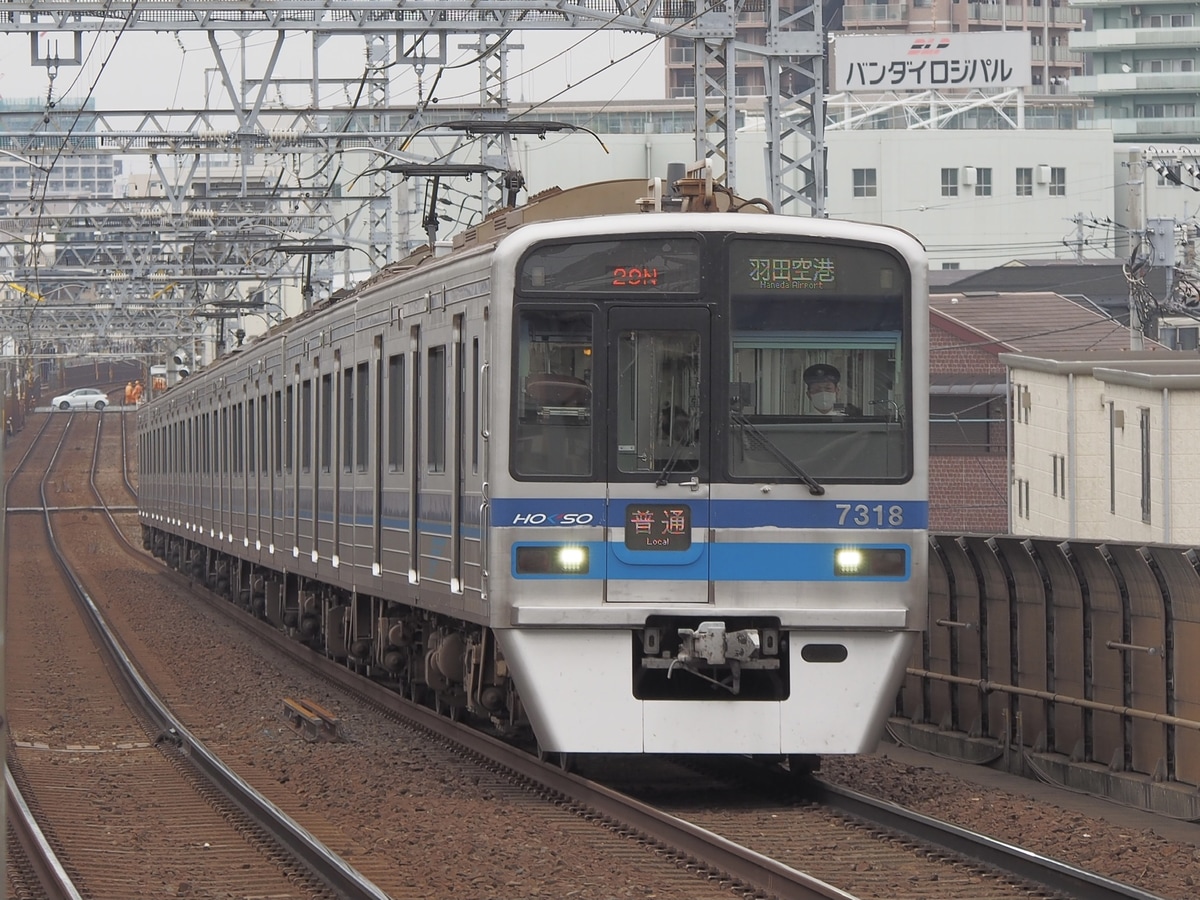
(1137, 184)
(1078, 220)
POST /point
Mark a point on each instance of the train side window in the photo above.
(553, 393)
(362, 417)
(238, 434)
(251, 436)
(306, 421)
(395, 413)
(264, 435)
(348, 407)
(475, 366)
(289, 393)
(278, 433)
(326, 418)
(436, 447)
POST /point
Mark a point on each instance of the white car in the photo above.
(81, 398)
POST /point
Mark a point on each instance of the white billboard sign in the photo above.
(931, 62)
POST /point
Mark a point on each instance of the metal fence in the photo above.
(1089, 650)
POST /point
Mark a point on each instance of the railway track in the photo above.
(128, 805)
(767, 847)
(33, 868)
(733, 850)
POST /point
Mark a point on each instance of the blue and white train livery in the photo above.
(646, 483)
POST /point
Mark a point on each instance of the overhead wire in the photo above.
(562, 53)
(62, 144)
(1029, 247)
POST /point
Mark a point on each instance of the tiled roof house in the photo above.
(969, 409)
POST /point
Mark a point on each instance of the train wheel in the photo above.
(803, 765)
(443, 707)
(568, 762)
(416, 692)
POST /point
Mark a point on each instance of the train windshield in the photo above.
(819, 376)
(621, 377)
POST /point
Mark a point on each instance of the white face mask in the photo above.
(823, 401)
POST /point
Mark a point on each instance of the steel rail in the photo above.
(698, 846)
(706, 849)
(689, 841)
(342, 878)
(1034, 867)
(52, 876)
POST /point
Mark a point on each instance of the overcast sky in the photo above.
(165, 71)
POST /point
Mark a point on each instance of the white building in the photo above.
(1144, 67)
(1106, 448)
(977, 199)
(978, 191)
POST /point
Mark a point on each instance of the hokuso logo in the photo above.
(567, 518)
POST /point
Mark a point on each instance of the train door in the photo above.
(657, 448)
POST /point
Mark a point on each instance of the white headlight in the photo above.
(571, 558)
(848, 559)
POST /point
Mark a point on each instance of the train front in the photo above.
(708, 481)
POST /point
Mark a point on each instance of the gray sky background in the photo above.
(165, 71)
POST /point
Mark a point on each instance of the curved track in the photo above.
(152, 797)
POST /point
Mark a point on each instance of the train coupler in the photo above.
(712, 652)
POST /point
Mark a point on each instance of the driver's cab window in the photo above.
(829, 406)
(819, 380)
(658, 401)
(553, 393)
(811, 378)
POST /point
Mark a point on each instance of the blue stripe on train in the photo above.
(716, 562)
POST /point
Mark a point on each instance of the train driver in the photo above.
(822, 384)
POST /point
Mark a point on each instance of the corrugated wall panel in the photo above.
(1066, 645)
(1183, 660)
(956, 706)
(1032, 654)
(1147, 682)
(1000, 666)
(1103, 668)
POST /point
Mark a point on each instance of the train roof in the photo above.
(625, 196)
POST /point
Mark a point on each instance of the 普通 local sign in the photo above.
(931, 62)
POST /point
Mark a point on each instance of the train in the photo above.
(618, 471)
